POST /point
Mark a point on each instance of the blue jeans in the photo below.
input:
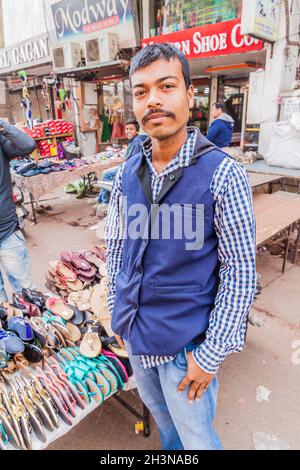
(14, 261)
(108, 175)
(182, 426)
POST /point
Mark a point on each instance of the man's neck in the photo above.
(163, 151)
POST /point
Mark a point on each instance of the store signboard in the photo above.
(210, 40)
(32, 52)
(260, 19)
(81, 17)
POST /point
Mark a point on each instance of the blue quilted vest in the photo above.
(164, 292)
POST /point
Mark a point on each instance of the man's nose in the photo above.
(155, 100)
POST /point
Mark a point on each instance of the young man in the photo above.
(180, 307)
(135, 141)
(221, 129)
(14, 258)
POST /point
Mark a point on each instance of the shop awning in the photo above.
(114, 69)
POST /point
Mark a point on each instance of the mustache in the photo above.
(157, 111)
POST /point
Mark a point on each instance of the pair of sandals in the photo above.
(95, 378)
(18, 338)
(96, 338)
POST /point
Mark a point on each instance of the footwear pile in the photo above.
(55, 358)
(76, 271)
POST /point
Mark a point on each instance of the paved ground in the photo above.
(266, 360)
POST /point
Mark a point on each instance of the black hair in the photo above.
(220, 106)
(133, 122)
(150, 54)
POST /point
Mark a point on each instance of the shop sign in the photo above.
(77, 17)
(260, 19)
(32, 52)
(210, 40)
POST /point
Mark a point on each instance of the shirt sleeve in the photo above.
(114, 237)
(14, 142)
(236, 231)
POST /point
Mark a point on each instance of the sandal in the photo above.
(60, 308)
(3, 355)
(91, 345)
(22, 327)
(12, 343)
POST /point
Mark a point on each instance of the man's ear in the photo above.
(191, 96)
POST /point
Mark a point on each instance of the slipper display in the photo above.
(76, 270)
(57, 353)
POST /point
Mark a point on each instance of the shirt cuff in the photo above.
(209, 357)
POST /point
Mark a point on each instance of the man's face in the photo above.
(161, 102)
(216, 112)
(130, 131)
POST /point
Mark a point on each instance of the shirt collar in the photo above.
(184, 155)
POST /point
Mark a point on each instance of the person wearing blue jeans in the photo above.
(181, 248)
(14, 258)
(14, 261)
(134, 146)
(171, 411)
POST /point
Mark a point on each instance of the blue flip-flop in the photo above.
(3, 355)
(13, 344)
(22, 327)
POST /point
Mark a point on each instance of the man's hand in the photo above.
(196, 378)
(120, 341)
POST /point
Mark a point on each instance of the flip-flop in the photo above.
(59, 307)
(95, 300)
(91, 258)
(87, 274)
(91, 345)
(74, 332)
(103, 270)
(3, 355)
(22, 327)
(100, 252)
(79, 317)
(75, 286)
(13, 344)
(65, 273)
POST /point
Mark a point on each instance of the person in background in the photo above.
(135, 141)
(14, 258)
(221, 129)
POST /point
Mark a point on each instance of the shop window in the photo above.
(172, 15)
(199, 114)
(113, 112)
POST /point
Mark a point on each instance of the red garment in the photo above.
(118, 130)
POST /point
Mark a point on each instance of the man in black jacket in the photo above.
(14, 258)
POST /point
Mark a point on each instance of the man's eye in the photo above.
(139, 93)
(168, 86)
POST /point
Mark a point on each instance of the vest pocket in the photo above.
(182, 289)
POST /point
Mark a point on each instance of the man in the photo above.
(14, 258)
(181, 308)
(135, 141)
(221, 129)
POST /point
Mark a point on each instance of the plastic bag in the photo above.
(284, 149)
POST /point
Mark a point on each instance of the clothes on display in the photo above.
(31, 168)
(58, 355)
(106, 133)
